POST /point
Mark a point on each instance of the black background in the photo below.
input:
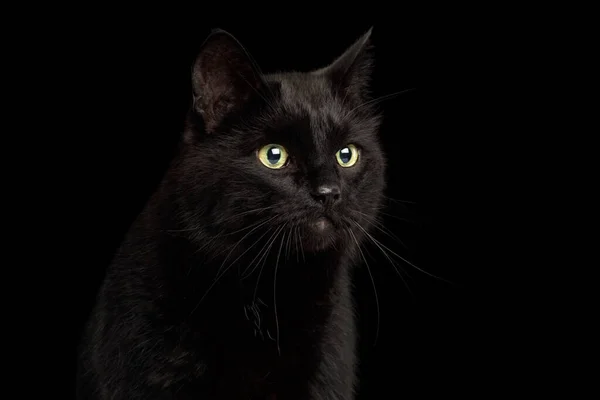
(133, 78)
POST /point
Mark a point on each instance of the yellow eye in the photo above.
(347, 156)
(273, 156)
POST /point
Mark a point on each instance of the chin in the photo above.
(320, 235)
(318, 244)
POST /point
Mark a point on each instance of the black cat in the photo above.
(235, 280)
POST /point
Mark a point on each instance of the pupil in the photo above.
(345, 155)
(274, 155)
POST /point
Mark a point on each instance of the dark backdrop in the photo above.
(134, 78)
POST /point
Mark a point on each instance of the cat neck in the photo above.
(294, 281)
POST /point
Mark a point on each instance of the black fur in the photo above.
(279, 326)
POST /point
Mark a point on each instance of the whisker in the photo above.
(394, 216)
(244, 274)
(244, 228)
(385, 254)
(400, 201)
(372, 282)
(381, 227)
(402, 258)
(179, 230)
(275, 295)
(287, 246)
(217, 278)
(240, 241)
(296, 243)
(251, 246)
(379, 100)
(264, 260)
(209, 288)
(221, 235)
(301, 245)
(205, 245)
(248, 212)
(225, 220)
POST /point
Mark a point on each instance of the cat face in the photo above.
(283, 154)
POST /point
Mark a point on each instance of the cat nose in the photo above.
(327, 194)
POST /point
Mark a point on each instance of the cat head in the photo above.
(297, 152)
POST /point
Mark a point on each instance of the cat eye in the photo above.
(273, 156)
(347, 156)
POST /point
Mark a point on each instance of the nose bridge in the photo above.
(322, 174)
(321, 167)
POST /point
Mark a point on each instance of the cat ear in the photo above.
(351, 72)
(224, 78)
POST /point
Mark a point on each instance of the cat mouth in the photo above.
(322, 225)
(319, 234)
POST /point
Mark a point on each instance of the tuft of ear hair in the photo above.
(224, 78)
